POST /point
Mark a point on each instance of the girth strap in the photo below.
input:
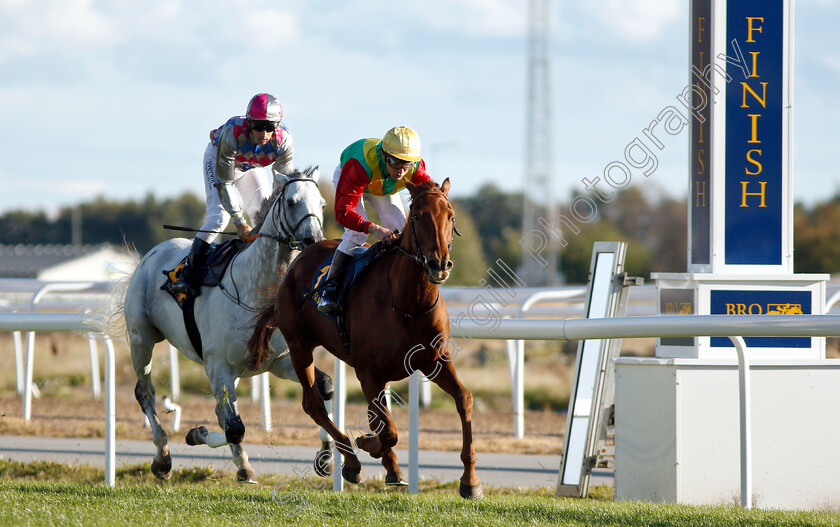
(188, 309)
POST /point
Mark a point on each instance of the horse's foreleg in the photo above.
(447, 379)
(313, 405)
(380, 444)
(230, 421)
(223, 384)
(245, 473)
(282, 367)
(144, 392)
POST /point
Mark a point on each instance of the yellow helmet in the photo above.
(403, 143)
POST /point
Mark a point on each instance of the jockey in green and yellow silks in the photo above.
(368, 153)
(373, 169)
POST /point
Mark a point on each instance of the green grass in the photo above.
(45, 493)
(60, 503)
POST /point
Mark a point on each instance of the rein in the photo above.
(419, 258)
(390, 303)
(286, 237)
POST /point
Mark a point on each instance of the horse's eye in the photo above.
(290, 202)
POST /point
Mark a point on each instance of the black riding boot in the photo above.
(329, 296)
(198, 252)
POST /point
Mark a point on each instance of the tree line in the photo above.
(490, 221)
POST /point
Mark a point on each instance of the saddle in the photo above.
(209, 274)
(362, 257)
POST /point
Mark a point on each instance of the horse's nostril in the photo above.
(449, 265)
(308, 241)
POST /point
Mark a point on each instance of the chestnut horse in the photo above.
(396, 322)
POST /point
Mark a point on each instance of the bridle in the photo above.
(286, 236)
(419, 257)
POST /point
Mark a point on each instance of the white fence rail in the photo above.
(468, 302)
(518, 329)
(32, 322)
(733, 326)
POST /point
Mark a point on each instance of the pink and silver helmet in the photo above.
(264, 107)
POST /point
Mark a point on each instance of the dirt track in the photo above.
(80, 416)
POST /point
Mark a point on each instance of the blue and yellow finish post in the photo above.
(740, 206)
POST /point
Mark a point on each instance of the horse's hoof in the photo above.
(325, 463)
(163, 469)
(352, 475)
(471, 492)
(370, 444)
(244, 475)
(194, 434)
(395, 479)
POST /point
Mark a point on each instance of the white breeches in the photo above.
(389, 208)
(253, 186)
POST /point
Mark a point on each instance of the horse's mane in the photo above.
(260, 216)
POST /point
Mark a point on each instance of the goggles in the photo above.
(262, 126)
(396, 162)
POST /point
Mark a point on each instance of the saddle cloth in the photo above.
(362, 256)
(208, 274)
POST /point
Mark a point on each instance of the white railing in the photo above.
(515, 302)
(63, 296)
(29, 295)
(733, 326)
(516, 353)
(73, 322)
(41, 293)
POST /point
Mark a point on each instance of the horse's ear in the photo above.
(315, 173)
(280, 179)
(444, 187)
(412, 188)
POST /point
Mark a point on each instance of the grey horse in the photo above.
(290, 219)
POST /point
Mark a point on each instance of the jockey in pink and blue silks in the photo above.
(372, 171)
(237, 155)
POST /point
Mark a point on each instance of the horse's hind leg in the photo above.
(144, 392)
(381, 443)
(447, 379)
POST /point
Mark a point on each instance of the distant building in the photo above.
(62, 262)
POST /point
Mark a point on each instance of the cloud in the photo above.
(76, 28)
(831, 62)
(39, 27)
(636, 20)
(500, 18)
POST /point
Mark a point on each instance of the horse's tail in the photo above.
(259, 347)
(115, 325)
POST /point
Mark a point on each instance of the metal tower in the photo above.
(538, 194)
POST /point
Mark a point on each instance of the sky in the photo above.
(116, 98)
